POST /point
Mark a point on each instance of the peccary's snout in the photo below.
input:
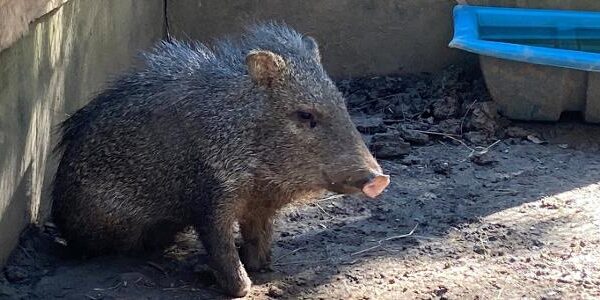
(370, 181)
(376, 185)
(354, 169)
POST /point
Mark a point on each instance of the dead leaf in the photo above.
(536, 140)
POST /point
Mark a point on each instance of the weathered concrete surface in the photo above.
(65, 58)
(15, 16)
(357, 37)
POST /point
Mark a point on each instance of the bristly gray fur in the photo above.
(177, 61)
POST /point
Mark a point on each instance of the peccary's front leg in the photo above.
(257, 228)
(216, 233)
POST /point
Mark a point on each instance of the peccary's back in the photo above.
(149, 145)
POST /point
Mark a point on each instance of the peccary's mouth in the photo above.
(370, 184)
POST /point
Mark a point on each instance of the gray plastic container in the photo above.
(532, 92)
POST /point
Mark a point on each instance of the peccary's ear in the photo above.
(312, 46)
(264, 67)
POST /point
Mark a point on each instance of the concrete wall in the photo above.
(357, 37)
(65, 57)
(15, 16)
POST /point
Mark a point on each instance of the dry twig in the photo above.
(380, 242)
(483, 150)
(322, 210)
(462, 122)
(330, 198)
(453, 137)
(298, 262)
(288, 254)
(109, 288)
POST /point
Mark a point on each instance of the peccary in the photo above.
(205, 137)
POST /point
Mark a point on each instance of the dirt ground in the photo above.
(478, 208)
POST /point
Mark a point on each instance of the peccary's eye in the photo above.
(308, 118)
(305, 115)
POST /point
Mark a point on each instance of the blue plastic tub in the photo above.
(569, 39)
(537, 63)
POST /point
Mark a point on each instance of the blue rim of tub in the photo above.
(468, 19)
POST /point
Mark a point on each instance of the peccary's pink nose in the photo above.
(376, 185)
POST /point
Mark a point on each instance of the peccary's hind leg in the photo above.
(160, 235)
(257, 229)
(216, 233)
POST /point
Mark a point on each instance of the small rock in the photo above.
(369, 125)
(441, 167)
(412, 136)
(535, 139)
(132, 278)
(517, 132)
(410, 160)
(552, 295)
(479, 250)
(485, 117)
(484, 158)
(441, 291)
(450, 126)
(274, 292)
(15, 274)
(300, 281)
(389, 145)
(445, 108)
(477, 137)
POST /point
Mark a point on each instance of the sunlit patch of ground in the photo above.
(546, 248)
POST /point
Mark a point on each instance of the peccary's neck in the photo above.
(220, 118)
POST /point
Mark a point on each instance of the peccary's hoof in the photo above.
(257, 267)
(252, 262)
(235, 287)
